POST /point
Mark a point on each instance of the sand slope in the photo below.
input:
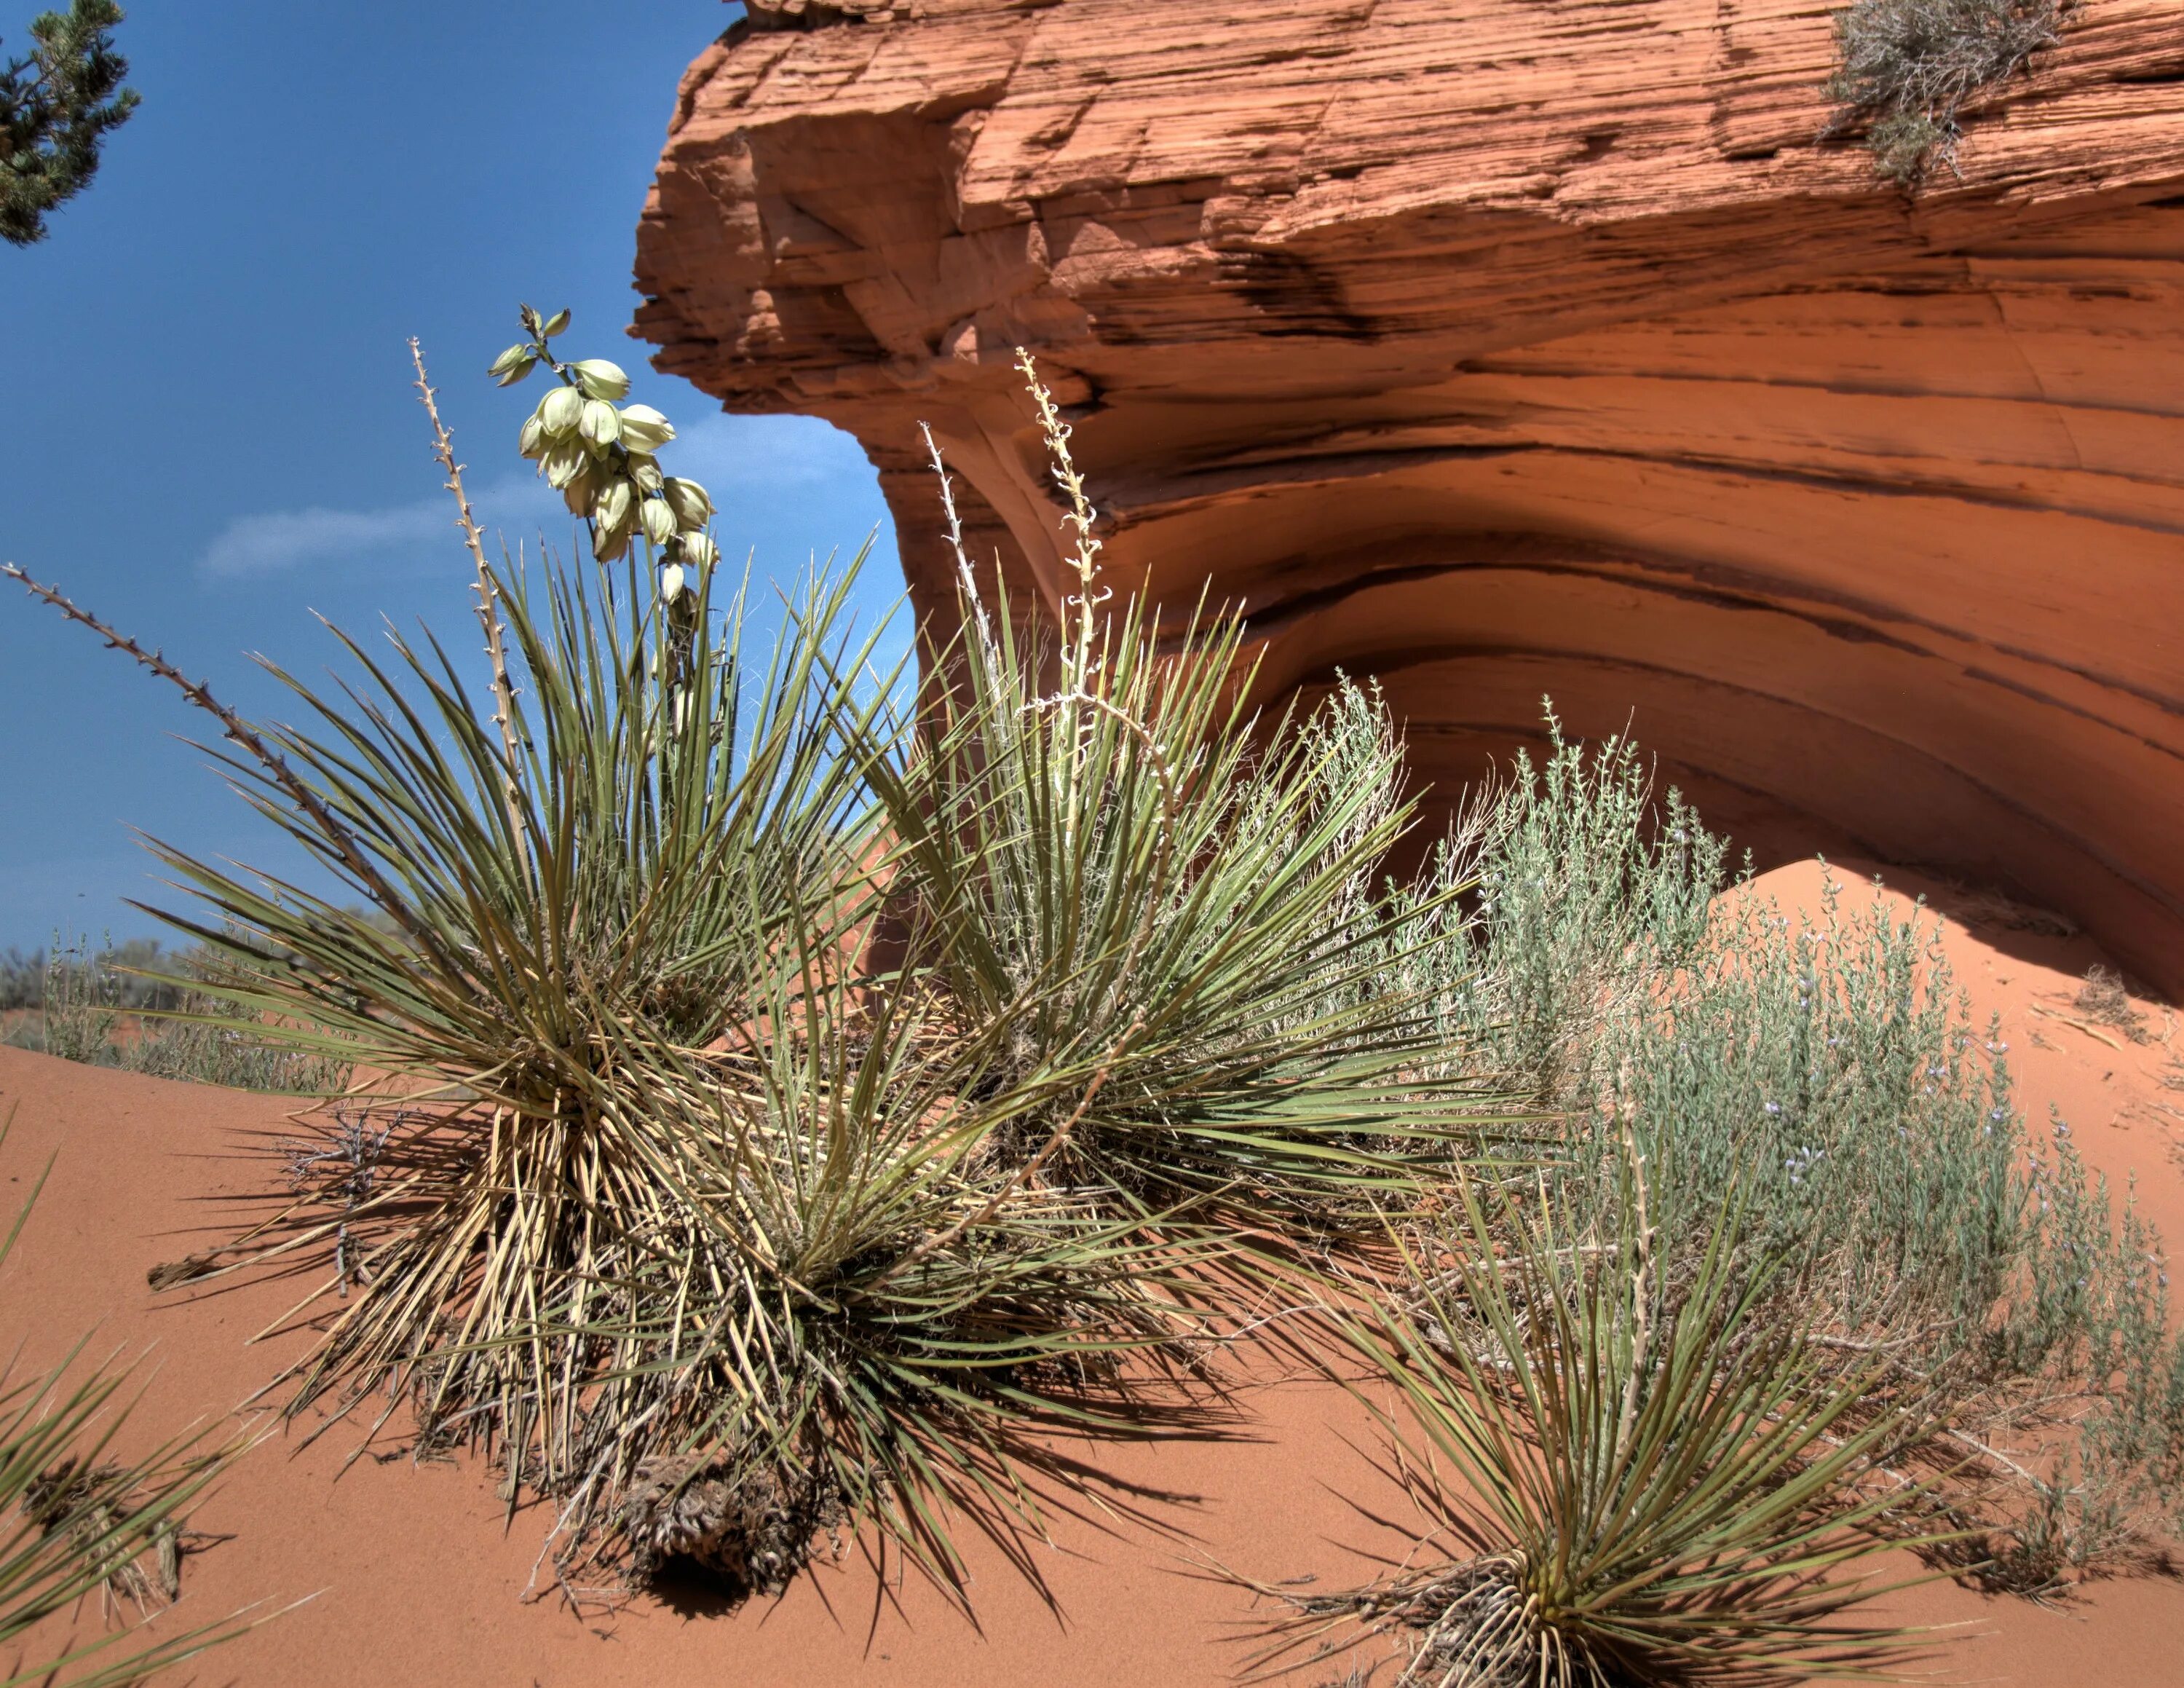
(417, 1572)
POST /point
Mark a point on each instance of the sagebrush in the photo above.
(1824, 1065)
(1908, 68)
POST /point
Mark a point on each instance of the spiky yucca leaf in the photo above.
(678, 816)
(1630, 1483)
(717, 1217)
(678, 1254)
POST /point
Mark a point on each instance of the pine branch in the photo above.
(57, 107)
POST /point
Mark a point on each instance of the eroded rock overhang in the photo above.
(1522, 348)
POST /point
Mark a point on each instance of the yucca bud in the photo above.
(598, 423)
(642, 469)
(698, 550)
(599, 378)
(554, 325)
(531, 441)
(561, 410)
(659, 521)
(513, 364)
(613, 508)
(644, 429)
(584, 487)
(673, 583)
(688, 500)
(564, 461)
(609, 543)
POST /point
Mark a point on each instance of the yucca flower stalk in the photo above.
(608, 859)
(673, 839)
(1628, 1480)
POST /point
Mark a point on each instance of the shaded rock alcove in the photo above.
(1518, 348)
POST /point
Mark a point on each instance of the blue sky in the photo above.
(211, 433)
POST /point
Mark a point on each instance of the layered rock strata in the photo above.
(1523, 347)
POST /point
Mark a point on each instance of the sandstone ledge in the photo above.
(1525, 346)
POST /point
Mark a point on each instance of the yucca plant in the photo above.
(508, 957)
(1168, 899)
(78, 1520)
(608, 858)
(1629, 1479)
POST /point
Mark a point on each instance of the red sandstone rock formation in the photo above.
(1512, 347)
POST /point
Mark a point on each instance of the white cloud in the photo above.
(775, 463)
(294, 539)
(278, 540)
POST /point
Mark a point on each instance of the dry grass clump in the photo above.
(2105, 999)
(90, 1504)
(1980, 906)
(1910, 66)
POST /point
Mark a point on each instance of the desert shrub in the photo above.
(180, 1025)
(78, 1005)
(115, 976)
(1824, 1067)
(1627, 1469)
(22, 979)
(78, 1519)
(1589, 889)
(1910, 65)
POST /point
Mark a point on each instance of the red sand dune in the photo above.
(416, 1573)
